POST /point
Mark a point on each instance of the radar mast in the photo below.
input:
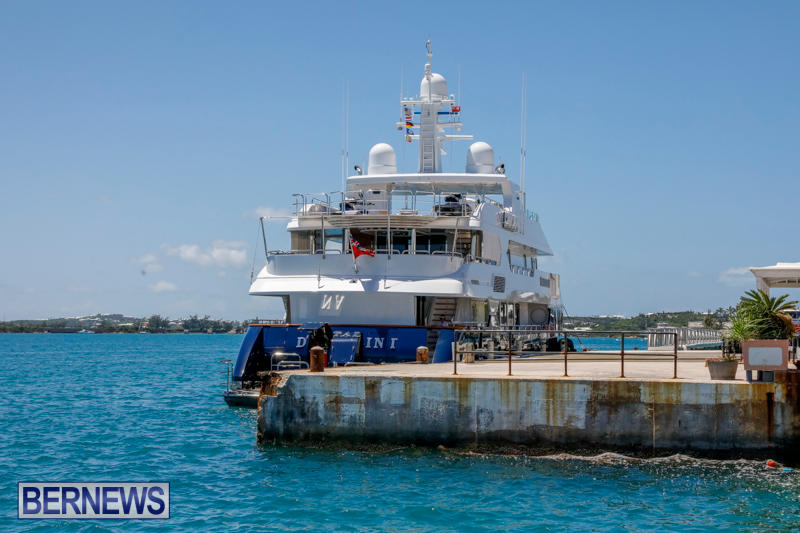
(426, 118)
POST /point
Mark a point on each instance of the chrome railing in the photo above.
(523, 271)
(440, 203)
(403, 203)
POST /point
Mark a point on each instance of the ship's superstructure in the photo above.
(400, 259)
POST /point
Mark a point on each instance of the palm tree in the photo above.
(767, 315)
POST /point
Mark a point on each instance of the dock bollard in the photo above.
(468, 355)
(317, 359)
(422, 354)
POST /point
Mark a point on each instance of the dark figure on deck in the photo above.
(322, 337)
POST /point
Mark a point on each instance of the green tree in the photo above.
(157, 323)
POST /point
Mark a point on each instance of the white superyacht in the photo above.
(402, 259)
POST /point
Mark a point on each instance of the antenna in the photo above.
(343, 167)
(523, 139)
(428, 67)
(402, 117)
(401, 89)
(347, 129)
(458, 94)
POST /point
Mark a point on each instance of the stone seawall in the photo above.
(597, 413)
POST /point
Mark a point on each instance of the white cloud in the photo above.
(150, 263)
(222, 254)
(146, 258)
(264, 211)
(163, 286)
(694, 274)
(736, 276)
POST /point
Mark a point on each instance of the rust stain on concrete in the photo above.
(613, 412)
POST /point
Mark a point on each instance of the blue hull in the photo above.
(351, 343)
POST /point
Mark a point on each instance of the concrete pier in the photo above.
(536, 406)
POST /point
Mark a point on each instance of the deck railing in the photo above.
(436, 204)
(511, 342)
(686, 336)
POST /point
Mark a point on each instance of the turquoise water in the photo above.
(148, 407)
(606, 343)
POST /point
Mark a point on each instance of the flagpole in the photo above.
(355, 257)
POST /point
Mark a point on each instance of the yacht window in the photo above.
(364, 238)
(491, 246)
(333, 239)
(301, 241)
(521, 255)
(401, 241)
(432, 241)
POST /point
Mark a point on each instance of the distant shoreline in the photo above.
(119, 323)
(121, 333)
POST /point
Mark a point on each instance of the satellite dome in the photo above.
(480, 158)
(438, 87)
(382, 160)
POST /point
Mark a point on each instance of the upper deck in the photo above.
(431, 232)
(416, 217)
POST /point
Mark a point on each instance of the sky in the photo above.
(140, 141)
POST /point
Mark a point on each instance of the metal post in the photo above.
(510, 336)
(388, 229)
(322, 234)
(264, 237)
(453, 348)
(675, 359)
(622, 358)
(565, 356)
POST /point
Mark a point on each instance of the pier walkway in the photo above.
(594, 365)
(537, 406)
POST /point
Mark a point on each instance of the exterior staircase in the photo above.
(463, 242)
(443, 312)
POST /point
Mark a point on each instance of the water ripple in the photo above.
(148, 407)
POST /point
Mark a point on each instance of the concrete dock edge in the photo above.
(547, 412)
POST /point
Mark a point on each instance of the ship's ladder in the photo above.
(427, 141)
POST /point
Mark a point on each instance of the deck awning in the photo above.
(435, 183)
(785, 275)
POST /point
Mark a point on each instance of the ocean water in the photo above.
(607, 343)
(148, 408)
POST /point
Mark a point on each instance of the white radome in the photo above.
(382, 160)
(438, 87)
(480, 158)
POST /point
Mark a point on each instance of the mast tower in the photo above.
(436, 111)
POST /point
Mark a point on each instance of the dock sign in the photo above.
(93, 500)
